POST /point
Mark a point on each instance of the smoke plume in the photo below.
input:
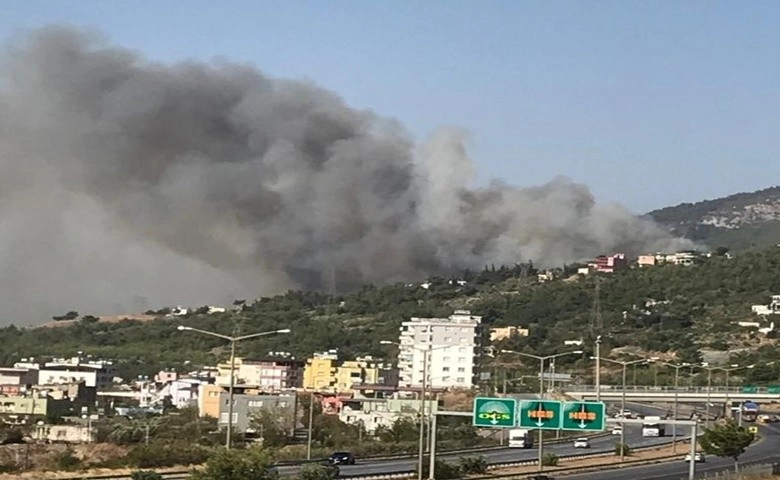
(127, 184)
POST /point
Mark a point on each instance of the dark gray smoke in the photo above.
(126, 184)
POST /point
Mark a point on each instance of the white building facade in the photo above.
(452, 345)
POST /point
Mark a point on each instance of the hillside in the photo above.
(742, 221)
(661, 309)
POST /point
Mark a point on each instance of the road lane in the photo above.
(633, 437)
(765, 451)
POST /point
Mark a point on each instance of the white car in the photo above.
(582, 443)
(697, 458)
(617, 430)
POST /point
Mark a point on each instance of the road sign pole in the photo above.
(692, 464)
(432, 465)
(541, 398)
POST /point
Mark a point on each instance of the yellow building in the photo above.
(324, 373)
(208, 400)
(353, 372)
(501, 333)
(320, 372)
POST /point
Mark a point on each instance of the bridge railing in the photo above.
(665, 389)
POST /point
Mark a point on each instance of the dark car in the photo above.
(540, 477)
(341, 458)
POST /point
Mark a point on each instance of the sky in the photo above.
(648, 103)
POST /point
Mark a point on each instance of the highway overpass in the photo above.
(612, 393)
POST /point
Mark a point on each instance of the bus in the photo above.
(652, 427)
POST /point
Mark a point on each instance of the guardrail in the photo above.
(667, 389)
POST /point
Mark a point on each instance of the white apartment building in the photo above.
(452, 345)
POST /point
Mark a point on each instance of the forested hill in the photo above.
(665, 308)
(741, 221)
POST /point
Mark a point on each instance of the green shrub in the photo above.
(67, 461)
(441, 470)
(550, 460)
(145, 475)
(626, 449)
(473, 465)
(156, 455)
(249, 464)
(314, 471)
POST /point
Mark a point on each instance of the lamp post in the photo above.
(598, 368)
(623, 396)
(233, 340)
(734, 367)
(424, 385)
(541, 387)
(676, 395)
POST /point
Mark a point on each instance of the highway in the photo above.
(633, 436)
(765, 451)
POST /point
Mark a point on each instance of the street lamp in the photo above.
(676, 393)
(733, 368)
(623, 396)
(541, 387)
(426, 349)
(233, 341)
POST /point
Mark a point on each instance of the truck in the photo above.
(520, 438)
(652, 427)
(749, 411)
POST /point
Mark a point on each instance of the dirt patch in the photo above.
(39, 460)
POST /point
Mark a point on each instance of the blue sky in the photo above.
(648, 103)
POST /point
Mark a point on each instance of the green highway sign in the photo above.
(773, 389)
(749, 389)
(583, 416)
(494, 412)
(541, 414)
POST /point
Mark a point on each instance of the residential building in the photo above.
(245, 407)
(326, 374)
(452, 345)
(208, 400)
(33, 404)
(272, 375)
(647, 261)
(182, 393)
(166, 376)
(502, 333)
(99, 374)
(65, 433)
(609, 263)
(374, 413)
(18, 376)
(772, 309)
(320, 371)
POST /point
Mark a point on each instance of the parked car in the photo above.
(698, 457)
(617, 430)
(539, 477)
(582, 443)
(341, 458)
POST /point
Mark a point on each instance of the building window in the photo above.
(461, 369)
(462, 350)
(446, 359)
(464, 340)
(445, 369)
(461, 380)
(448, 339)
(461, 359)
